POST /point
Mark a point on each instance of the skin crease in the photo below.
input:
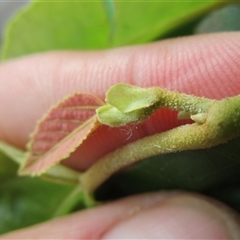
(204, 65)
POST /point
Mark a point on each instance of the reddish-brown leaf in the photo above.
(61, 131)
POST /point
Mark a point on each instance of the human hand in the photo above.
(206, 65)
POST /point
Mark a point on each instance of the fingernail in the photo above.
(180, 216)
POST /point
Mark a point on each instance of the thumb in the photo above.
(181, 216)
(165, 215)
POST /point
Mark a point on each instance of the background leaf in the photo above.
(199, 170)
(219, 20)
(8, 168)
(12, 152)
(141, 21)
(44, 26)
(9, 157)
(27, 201)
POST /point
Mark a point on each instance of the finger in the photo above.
(149, 216)
(206, 65)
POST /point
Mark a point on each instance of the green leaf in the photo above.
(12, 152)
(8, 168)
(44, 26)
(9, 156)
(196, 170)
(128, 98)
(220, 20)
(144, 21)
(27, 201)
(127, 104)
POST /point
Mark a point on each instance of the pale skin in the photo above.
(206, 65)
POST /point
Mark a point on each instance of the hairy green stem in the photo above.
(220, 123)
(183, 102)
(132, 104)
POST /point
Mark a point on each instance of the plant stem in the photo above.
(183, 102)
(221, 123)
(69, 202)
(132, 104)
(170, 141)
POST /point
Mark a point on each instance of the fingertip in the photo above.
(181, 216)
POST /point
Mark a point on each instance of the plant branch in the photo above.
(219, 122)
(132, 104)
